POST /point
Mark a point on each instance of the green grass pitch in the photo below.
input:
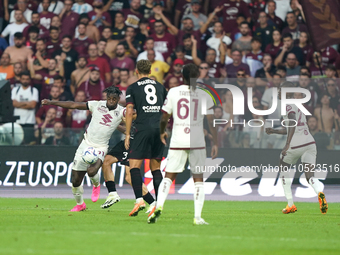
(45, 226)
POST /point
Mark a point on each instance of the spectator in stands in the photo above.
(133, 14)
(65, 93)
(27, 13)
(305, 70)
(317, 70)
(15, 27)
(282, 71)
(70, 55)
(233, 68)
(102, 64)
(118, 30)
(40, 59)
(277, 21)
(243, 43)
(191, 49)
(333, 93)
(6, 69)
(149, 45)
(15, 81)
(53, 43)
(81, 42)
(31, 40)
(204, 73)
(337, 65)
(19, 52)
(183, 7)
(312, 123)
(69, 19)
(25, 99)
(180, 54)
(55, 6)
(330, 72)
(264, 30)
(131, 44)
(36, 22)
(177, 66)
(304, 46)
(58, 138)
(165, 42)
(80, 75)
(77, 118)
(266, 72)
(46, 127)
(215, 40)
(235, 34)
(81, 7)
(101, 45)
(293, 27)
(214, 67)
(55, 22)
(306, 83)
(197, 18)
(46, 16)
(322, 140)
(276, 46)
(267, 99)
(328, 56)
(121, 60)
(98, 17)
(173, 82)
(115, 76)
(297, 9)
(326, 115)
(92, 31)
(61, 112)
(293, 67)
(255, 8)
(288, 47)
(158, 68)
(254, 58)
(47, 78)
(282, 8)
(229, 17)
(221, 129)
(94, 86)
(240, 81)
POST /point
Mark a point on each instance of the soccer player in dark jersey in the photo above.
(147, 97)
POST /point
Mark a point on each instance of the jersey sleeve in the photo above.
(129, 96)
(167, 106)
(92, 105)
(291, 108)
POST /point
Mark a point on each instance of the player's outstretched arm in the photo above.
(213, 132)
(66, 104)
(163, 123)
(282, 131)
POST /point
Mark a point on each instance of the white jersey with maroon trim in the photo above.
(302, 136)
(103, 123)
(185, 105)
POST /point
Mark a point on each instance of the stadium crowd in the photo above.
(67, 50)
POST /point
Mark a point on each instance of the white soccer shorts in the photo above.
(178, 158)
(78, 162)
(306, 153)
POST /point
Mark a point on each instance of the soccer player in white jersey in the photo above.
(300, 144)
(106, 116)
(187, 141)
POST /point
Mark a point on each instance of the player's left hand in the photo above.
(214, 151)
(285, 149)
(163, 137)
(127, 142)
(45, 102)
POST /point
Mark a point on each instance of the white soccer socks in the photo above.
(163, 191)
(316, 184)
(78, 194)
(287, 187)
(199, 199)
(95, 180)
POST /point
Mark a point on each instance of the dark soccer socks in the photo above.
(148, 198)
(157, 179)
(137, 182)
(111, 186)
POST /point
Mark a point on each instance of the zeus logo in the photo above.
(106, 119)
(238, 100)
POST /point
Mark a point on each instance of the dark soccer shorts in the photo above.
(120, 153)
(146, 145)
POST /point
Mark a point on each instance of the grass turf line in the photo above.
(45, 226)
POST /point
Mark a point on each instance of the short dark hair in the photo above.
(18, 35)
(331, 67)
(186, 18)
(159, 21)
(286, 35)
(58, 77)
(53, 28)
(143, 66)
(130, 27)
(282, 68)
(256, 39)
(124, 70)
(67, 36)
(107, 27)
(291, 13)
(190, 71)
(35, 12)
(244, 23)
(102, 40)
(271, 1)
(112, 90)
(179, 48)
(33, 29)
(41, 39)
(186, 36)
(25, 73)
(119, 12)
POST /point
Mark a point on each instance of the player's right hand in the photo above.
(269, 131)
(163, 137)
(45, 102)
(127, 142)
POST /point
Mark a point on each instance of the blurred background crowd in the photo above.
(66, 50)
